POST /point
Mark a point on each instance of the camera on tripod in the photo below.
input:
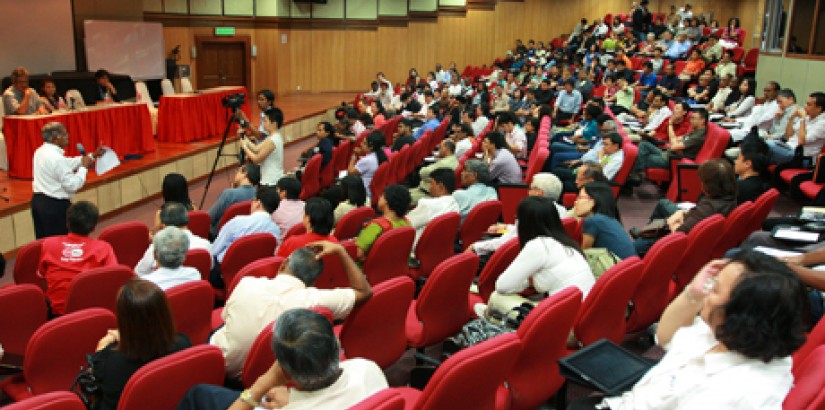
(234, 101)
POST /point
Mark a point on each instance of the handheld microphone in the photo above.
(80, 148)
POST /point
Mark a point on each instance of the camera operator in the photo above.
(270, 152)
(266, 102)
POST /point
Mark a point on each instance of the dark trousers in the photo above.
(49, 215)
(208, 397)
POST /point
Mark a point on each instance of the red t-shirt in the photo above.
(63, 257)
(294, 242)
(681, 128)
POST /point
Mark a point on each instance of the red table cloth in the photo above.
(126, 128)
(192, 117)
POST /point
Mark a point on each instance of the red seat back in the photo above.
(262, 268)
(26, 263)
(736, 227)
(311, 177)
(436, 243)
(351, 223)
(478, 220)
(162, 383)
(260, 357)
(379, 181)
(297, 229)
(334, 276)
(236, 209)
(345, 151)
(498, 262)
(57, 400)
(57, 350)
(129, 240)
(602, 315)
(387, 399)
(510, 195)
(535, 376)
(441, 305)
(573, 227)
(701, 241)
(199, 223)
(328, 171)
(630, 154)
(22, 312)
(199, 259)
(651, 296)
(762, 208)
(245, 250)
(389, 255)
(388, 306)
(469, 378)
(98, 288)
(751, 59)
(535, 167)
(191, 305)
(808, 391)
(815, 339)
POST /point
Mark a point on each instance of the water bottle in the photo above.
(61, 104)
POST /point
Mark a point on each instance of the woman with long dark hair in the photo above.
(146, 331)
(745, 99)
(354, 195)
(174, 189)
(602, 224)
(549, 260)
(373, 149)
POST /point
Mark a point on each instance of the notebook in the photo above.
(605, 366)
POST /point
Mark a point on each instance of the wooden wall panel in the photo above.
(359, 63)
(327, 60)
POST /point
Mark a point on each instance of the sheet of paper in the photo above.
(107, 162)
(796, 235)
(776, 253)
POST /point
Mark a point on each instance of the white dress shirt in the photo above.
(479, 125)
(518, 140)
(550, 265)
(147, 264)
(256, 302)
(761, 115)
(427, 210)
(55, 175)
(688, 377)
(360, 378)
(814, 136)
(462, 146)
(655, 120)
(167, 278)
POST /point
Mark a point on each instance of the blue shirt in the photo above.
(569, 102)
(227, 198)
(473, 195)
(678, 50)
(430, 125)
(647, 80)
(609, 233)
(260, 221)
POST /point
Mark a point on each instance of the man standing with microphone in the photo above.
(56, 179)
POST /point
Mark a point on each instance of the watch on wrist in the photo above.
(246, 397)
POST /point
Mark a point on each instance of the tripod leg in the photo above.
(218, 156)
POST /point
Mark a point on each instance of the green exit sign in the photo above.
(224, 31)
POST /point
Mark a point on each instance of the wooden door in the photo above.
(223, 61)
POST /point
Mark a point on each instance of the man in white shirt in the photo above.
(761, 116)
(658, 112)
(169, 246)
(514, 135)
(440, 202)
(256, 302)
(544, 184)
(461, 136)
(172, 214)
(808, 131)
(56, 179)
(308, 372)
(445, 159)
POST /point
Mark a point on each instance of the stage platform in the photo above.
(139, 181)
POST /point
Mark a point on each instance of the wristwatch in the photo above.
(246, 397)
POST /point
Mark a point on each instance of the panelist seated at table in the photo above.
(19, 98)
(106, 92)
(50, 98)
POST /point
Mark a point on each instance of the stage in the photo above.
(136, 182)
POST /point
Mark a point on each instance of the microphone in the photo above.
(80, 148)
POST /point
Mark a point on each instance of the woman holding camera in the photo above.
(269, 153)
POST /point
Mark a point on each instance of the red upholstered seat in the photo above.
(58, 400)
(439, 312)
(815, 339)
(297, 229)
(97, 288)
(236, 209)
(468, 379)
(162, 383)
(242, 252)
(129, 240)
(762, 208)
(510, 195)
(387, 399)
(651, 296)
(389, 255)
(535, 376)
(201, 260)
(199, 223)
(498, 262)
(260, 357)
(56, 351)
(388, 307)
(736, 225)
(311, 177)
(602, 315)
(25, 265)
(811, 189)
(191, 304)
(700, 242)
(436, 243)
(478, 220)
(351, 223)
(788, 174)
(22, 312)
(808, 391)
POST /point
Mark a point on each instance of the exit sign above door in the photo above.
(224, 31)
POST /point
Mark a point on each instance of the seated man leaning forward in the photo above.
(307, 373)
(256, 302)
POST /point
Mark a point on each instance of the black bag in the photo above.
(86, 386)
(654, 230)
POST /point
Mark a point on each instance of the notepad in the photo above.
(107, 162)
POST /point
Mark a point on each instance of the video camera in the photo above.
(234, 101)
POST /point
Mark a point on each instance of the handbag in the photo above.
(600, 260)
(654, 230)
(86, 386)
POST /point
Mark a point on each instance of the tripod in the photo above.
(229, 121)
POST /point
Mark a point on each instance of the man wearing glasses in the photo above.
(19, 98)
